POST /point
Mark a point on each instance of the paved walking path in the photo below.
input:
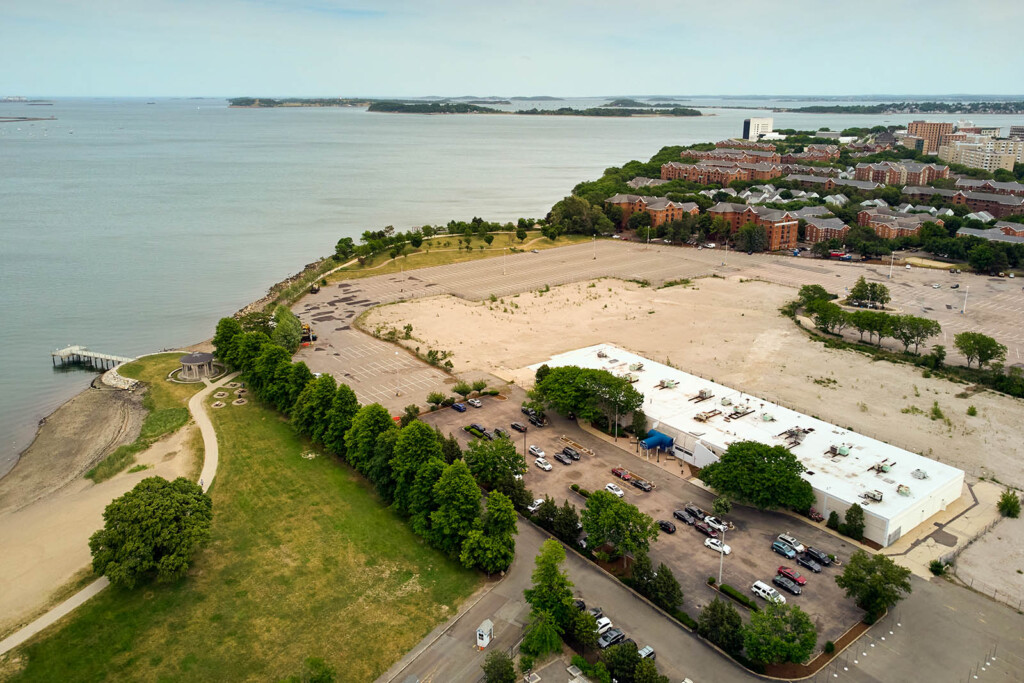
(198, 410)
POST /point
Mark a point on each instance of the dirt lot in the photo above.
(977, 567)
(730, 331)
(751, 557)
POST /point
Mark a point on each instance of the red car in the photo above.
(792, 575)
(705, 529)
(621, 473)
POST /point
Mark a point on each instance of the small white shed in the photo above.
(484, 634)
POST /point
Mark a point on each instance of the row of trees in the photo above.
(413, 467)
(590, 395)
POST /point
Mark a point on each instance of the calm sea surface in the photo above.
(131, 227)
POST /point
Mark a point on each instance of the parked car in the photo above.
(595, 612)
(716, 544)
(475, 402)
(563, 458)
(528, 411)
(808, 563)
(614, 490)
(684, 517)
(610, 638)
(695, 511)
(580, 605)
(571, 452)
(793, 575)
(543, 464)
(621, 473)
(667, 526)
(458, 407)
(717, 524)
(535, 421)
(818, 556)
(604, 624)
(936, 286)
(784, 550)
(536, 452)
(498, 431)
(786, 584)
(705, 529)
(791, 542)
(642, 485)
(646, 652)
(535, 505)
(763, 590)
(488, 435)
(477, 426)
(519, 426)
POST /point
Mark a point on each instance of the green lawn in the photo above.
(304, 562)
(166, 403)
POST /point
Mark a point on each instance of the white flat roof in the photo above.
(844, 477)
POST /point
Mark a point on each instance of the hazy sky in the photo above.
(461, 47)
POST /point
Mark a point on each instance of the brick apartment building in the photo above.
(930, 132)
(990, 186)
(746, 144)
(889, 224)
(661, 210)
(780, 226)
(739, 156)
(900, 173)
(821, 229)
(831, 184)
(999, 205)
(826, 153)
(719, 172)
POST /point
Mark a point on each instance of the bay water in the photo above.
(131, 227)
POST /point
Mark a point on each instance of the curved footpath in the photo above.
(210, 460)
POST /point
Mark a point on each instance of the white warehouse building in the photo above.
(897, 489)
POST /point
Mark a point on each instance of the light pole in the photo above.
(966, 292)
(892, 260)
(398, 377)
(504, 261)
(595, 247)
(721, 558)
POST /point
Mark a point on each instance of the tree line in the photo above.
(422, 475)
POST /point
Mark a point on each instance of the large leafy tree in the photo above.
(378, 467)
(587, 393)
(543, 635)
(490, 546)
(369, 422)
(339, 418)
(551, 589)
(492, 461)
(911, 329)
(621, 661)
(647, 672)
(976, 346)
(298, 376)
(264, 376)
(309, 414)
(151, 532)
(874, 581)
(498, 668)
(609, 519)
(665, 590)
(287, 329)
(720, 623)
(566, 523)
(458, 506)
(760, 475)
(227, 330)
(779, 633)
(416, 444)
(245, 349)
(422, 500)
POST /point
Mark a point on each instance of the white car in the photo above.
(536, 452)
(716, 524)
(792, 542)
(475, 402)
(936, 286)
(603, 625)
(613, 489)
(535, 505)
(716, 544)
(543, 464)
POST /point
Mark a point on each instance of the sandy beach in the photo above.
(728, 330)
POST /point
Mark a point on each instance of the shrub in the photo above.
(936, 567)
(525, 664)
(738, 597)
(833, 521)
(711, 581)
(1009, 504)
(830, 647)
(580, 490)
(684, 618)
(972, 411)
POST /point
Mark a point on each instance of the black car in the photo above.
(641, 484)
(786, 584)
(536, 421)
(818, 556)
(519, 426)
(580, 605)
(499, 432)
(563, 458)
(528, 411)
(684, 516)
(808, 563)
(571, 452)
(610, 637)
(477, 426)
(595, 612)
(489, 436)
(695, 511)
(667, 526)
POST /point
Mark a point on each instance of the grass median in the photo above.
(304, 561)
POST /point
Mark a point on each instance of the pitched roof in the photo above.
(993, 234)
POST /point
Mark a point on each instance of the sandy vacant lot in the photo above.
(730, 331)
(994, 564)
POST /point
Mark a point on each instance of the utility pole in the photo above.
(892, 259)
(967, 291)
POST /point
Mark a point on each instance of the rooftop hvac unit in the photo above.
(602, 354)
(636, 367)
(874, 495)
(903, 490)
(919, 474)
(705, 393)
(839, 449)
(726, 401)
(767, 417)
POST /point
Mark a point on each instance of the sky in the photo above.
(361, 48)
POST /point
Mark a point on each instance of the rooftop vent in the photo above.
(919, 474)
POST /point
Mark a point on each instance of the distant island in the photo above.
(912, 108)
(617, 108)
(537, 98)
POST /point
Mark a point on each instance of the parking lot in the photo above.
(751, 558)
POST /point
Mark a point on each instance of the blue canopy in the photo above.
(656, 439)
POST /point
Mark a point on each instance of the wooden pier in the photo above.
(79, 355)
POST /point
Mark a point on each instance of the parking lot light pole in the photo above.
(892, 260)
(967, 291)
(721, 559)
(398, 377)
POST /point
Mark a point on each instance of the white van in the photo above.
(765, 591)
